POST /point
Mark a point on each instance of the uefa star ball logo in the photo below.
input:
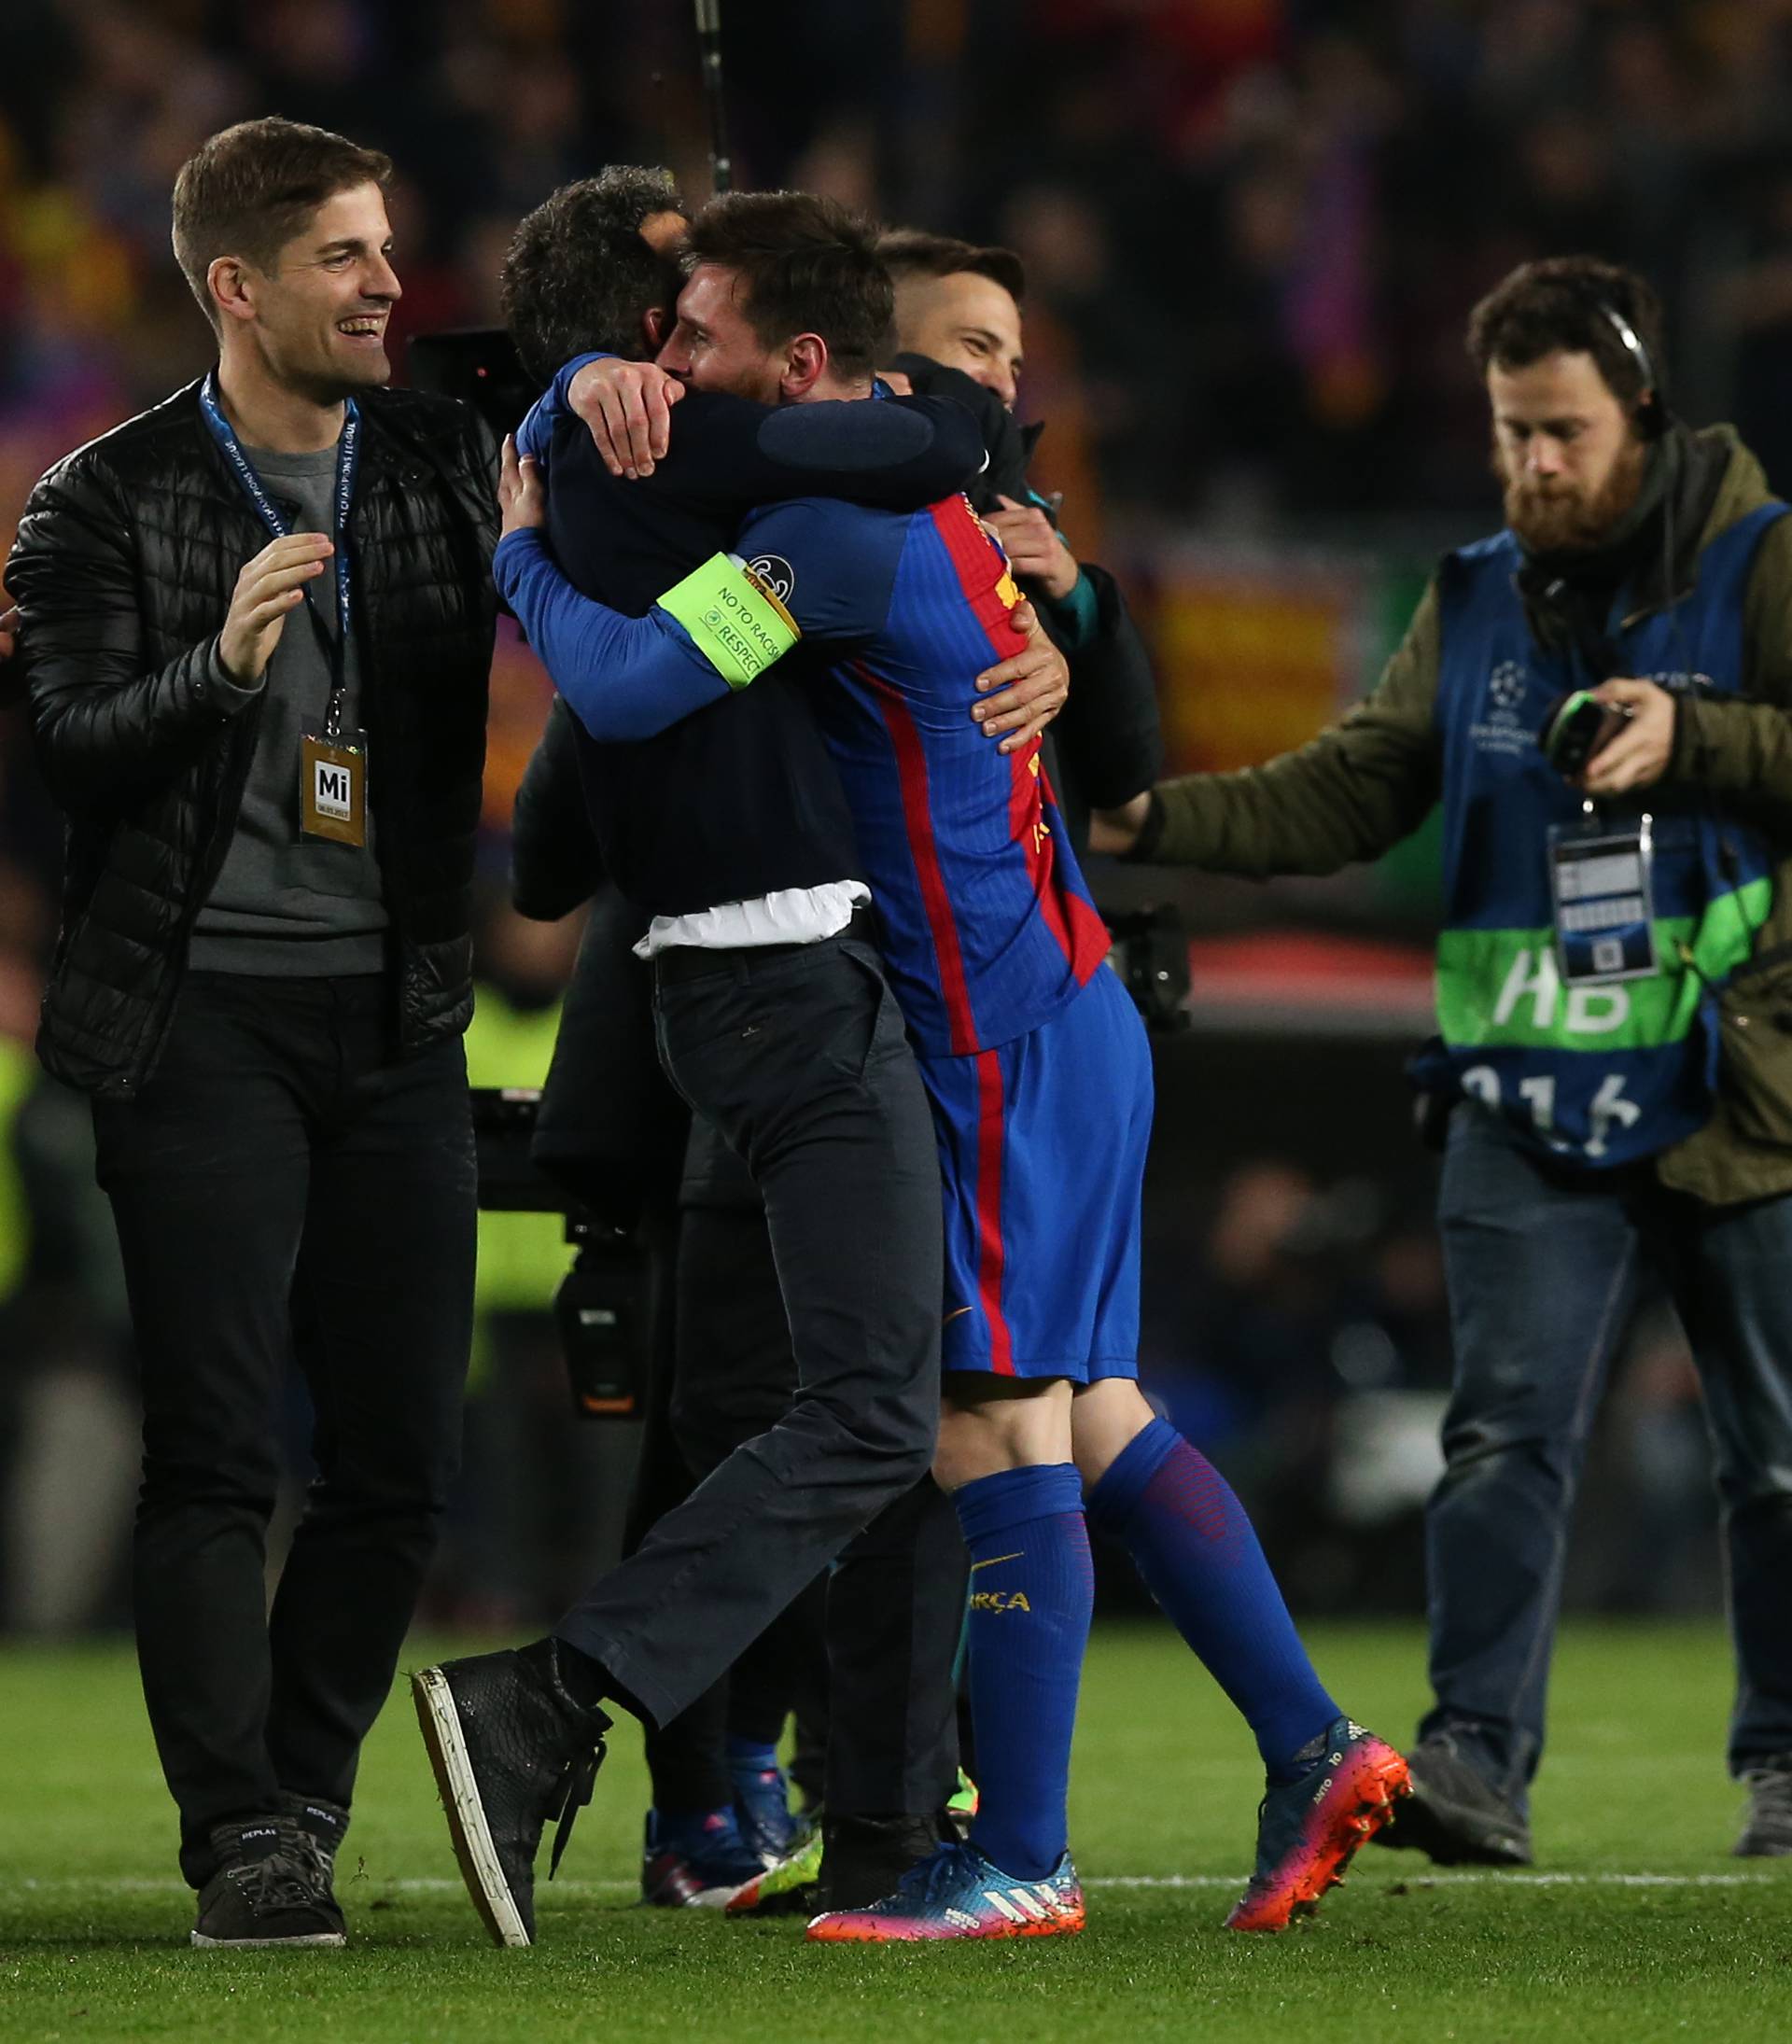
(1505, 686)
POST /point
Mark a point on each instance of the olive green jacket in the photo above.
(1372, 778)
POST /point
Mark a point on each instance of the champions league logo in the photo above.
(1501, 729)
(1505, 686)
(776, 574)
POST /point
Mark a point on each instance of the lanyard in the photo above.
(348, 455)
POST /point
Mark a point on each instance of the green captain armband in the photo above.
(736, 621)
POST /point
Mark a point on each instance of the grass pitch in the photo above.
(1636, 1924)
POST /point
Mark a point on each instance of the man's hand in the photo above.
(1118, 829)
(628, 408)
(1638, 756)
(268, 590)
(1034, 550)
(521, 497)
(1028, 691)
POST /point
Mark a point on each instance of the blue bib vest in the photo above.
(1594, 1074)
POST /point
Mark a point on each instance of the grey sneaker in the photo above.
(1455, 1816)
(1767, 1829)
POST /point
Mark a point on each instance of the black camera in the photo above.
(603, 1308)
(1151, 955)
(480, 367)
(1576, 727)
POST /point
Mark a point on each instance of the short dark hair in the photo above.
(807, 265)
(248, 189)
(912, 251)
(578, 277)
(1561, 304)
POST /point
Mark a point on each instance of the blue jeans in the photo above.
(1543, 1268)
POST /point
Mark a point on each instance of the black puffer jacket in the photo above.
(127, 555)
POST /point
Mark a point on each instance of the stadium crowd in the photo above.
(310, 970)
(1316, 369)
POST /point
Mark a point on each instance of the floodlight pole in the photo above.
(721, 167)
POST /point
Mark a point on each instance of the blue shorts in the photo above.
(1042, 1153)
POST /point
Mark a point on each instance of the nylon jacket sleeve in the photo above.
(625, 678)
(894, 454)
(1742, 745)
(1351, 793)
(1109, 730)
(555, 862)
(105, 730)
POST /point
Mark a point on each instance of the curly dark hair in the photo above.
(1565, 303)
(578, 278)
(808, 265)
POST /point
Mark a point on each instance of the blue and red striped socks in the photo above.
(1031, 1591)
(1190, 1540)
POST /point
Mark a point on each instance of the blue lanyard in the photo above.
(348, 455)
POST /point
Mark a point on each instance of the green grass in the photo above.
(94, 1926)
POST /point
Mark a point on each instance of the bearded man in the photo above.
(1599, 696)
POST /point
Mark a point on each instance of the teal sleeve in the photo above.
(1078, 618)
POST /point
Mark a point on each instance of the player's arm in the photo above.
(891, 454)
(628, 678)
(716, 631)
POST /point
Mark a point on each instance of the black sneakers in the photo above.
(1767, 1828)
(1455, 1816)
(510, 1748)
(321, 1826)
(272, 1888)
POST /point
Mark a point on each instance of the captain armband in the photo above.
(733, 619)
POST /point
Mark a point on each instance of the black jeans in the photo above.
(797, 1056)
(281, 1187)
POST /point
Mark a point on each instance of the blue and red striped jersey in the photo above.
(988, 926)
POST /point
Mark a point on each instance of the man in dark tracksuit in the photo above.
(776, 1022)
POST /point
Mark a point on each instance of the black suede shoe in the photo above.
(266, 1890)
(1455, 1816)
(320, 1828)
(1767, 1829)
(510, 1748)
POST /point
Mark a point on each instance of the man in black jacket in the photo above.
(257, 632)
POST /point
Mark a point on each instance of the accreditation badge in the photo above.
(1600, 883)
(332, 787)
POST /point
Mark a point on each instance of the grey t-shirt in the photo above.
(285, 906)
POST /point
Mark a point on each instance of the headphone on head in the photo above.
(1651, 414)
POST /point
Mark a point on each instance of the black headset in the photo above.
(1652, 415)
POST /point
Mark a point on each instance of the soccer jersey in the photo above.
(1034, 1059)
(988, 927)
